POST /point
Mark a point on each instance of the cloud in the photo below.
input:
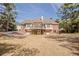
(19, 11)
(2, 8)
(37, 10)
(56, 6)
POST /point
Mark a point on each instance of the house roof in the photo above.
(39, 20)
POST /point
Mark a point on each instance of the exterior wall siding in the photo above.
(52, 28)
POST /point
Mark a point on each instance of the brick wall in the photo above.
(55, 28)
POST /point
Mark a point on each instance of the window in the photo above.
(47, 25)
(28, 25)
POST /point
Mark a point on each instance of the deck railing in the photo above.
(39, 27)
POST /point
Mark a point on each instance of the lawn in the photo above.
(40, 45)
(69, 41)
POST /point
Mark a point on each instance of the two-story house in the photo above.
(40, 26)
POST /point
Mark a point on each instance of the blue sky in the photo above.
(35, 10)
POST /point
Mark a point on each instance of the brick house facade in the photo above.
(39, 26)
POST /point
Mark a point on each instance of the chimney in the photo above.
(41, 17)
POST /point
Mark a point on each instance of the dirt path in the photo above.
(47, 47)
(44, 45)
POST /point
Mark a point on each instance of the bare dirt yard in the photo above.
(40, 45)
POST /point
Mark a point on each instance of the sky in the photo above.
(35, 10)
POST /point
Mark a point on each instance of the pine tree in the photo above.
(7, 18)
(69, 13)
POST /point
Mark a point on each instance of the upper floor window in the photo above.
(28, 25)
(47, 25)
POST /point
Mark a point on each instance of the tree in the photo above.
(69, 12)
(7, 17)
